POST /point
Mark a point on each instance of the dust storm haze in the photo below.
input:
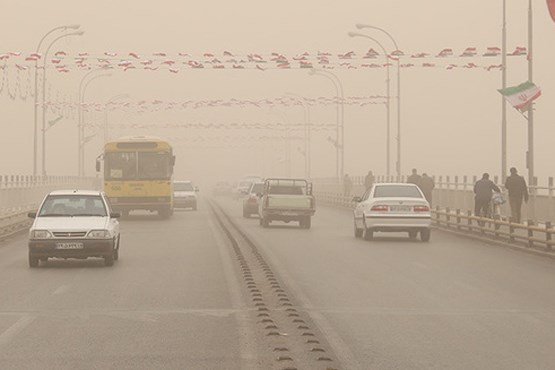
(450, 116)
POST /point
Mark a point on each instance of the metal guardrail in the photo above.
(531, 235)
(14, 223)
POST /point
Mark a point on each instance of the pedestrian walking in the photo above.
(427, 185)
(518, 191)
(369, 180)
(483, 190)
(347, 185)
(414, 178)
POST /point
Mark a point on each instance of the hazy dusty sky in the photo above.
(451, 119)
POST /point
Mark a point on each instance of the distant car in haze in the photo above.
(184, 195)
(222, 188)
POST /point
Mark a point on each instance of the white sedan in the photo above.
(392, 207)
(74, 224)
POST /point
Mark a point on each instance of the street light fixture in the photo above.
(388, 99)
(363, 26)
(76, 33)
(36, 97)
(340, 117)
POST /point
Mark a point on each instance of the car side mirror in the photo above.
(115, 215)
(32, 214)
(259, 195)
(357, 199)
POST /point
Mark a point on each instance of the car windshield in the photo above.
(183, 186)
(396, 191)
(257, 188)
(73, 205)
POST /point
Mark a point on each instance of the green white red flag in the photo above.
(551, 7)
(522, 95)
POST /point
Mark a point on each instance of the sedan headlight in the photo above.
(99, 234)
(41, 234)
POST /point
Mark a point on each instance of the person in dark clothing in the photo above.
(483, 190)
(369, 180)
(414, 178)
(427, 185)
(518, 190)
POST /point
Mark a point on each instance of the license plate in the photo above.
(69, 245)
(401, 208)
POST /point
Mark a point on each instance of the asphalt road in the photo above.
(175, 300)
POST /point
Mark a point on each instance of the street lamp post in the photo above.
(307, 135)
(398, 166)
(77, 33)
(81, 129)
(111, 100)
(340, 127)
(388, 100)
(36, 97)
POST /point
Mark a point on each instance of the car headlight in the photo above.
(99, 234)
(41, 234)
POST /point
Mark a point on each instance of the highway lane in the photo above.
(175, 300)
(172, 302)
(397, 304)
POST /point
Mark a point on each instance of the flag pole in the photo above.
(530, 161)
(530, 154)
(503, 100)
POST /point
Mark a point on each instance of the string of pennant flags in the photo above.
(220, 126)
(64, 62)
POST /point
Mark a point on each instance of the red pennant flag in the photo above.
(551, 7)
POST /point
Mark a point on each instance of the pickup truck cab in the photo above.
(287, 200)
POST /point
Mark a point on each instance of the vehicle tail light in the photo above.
(421, 209)
(379, 209)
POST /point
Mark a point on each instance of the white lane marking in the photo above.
(249, 356)
(17, 327)
(62, 289)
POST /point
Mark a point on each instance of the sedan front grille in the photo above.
(69, 234)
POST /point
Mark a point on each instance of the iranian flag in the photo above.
(522, 95)
(551, 6)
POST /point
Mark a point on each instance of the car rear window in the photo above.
(397, 191)
(183, 186)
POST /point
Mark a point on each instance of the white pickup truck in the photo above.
(287, 200)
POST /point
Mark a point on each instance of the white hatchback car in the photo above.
(184, 195)
(392, 207)
(74, 224)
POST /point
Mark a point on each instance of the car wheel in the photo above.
(116, 250)
(265, 222)
(307, 222)
(109, 260)
(33, 261)
(358, 232)
(368, 234)
(425, 235)
(413, 234)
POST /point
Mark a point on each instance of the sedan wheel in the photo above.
(33, 261)
(425, 235)
(358, 232)
(413, 234)
(368, 234)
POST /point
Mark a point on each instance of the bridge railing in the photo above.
(21, 191)
(531, 234)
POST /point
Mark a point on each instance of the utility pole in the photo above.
(503, 100)
(530, 156)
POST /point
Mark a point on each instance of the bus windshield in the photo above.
(137, 166)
